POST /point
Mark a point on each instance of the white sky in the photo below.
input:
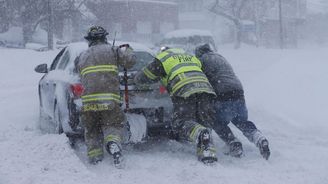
(317, 6)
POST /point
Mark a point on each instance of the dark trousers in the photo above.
(102, 127)
(189, 114)
(234, 111)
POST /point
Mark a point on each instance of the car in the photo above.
(188, 39)
(60, 90)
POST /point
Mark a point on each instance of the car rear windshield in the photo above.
(143, 58)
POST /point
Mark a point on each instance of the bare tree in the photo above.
(50, 25)
(4, 16)
(233, 11)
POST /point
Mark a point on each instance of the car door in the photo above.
(47, 86)
(59, 82)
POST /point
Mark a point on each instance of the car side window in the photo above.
(64, 61)
(57, 58)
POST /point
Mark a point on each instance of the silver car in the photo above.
(60, 102)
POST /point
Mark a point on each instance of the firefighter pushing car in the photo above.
(191, 94)
(101, 113)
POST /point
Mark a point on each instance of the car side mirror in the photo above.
(42, 68)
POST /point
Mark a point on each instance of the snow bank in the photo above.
(13, 35)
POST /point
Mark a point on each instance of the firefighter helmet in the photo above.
(96, 33)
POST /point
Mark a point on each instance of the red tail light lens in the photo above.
(77, 89)
(162, 90)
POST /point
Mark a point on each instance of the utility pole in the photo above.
(281, 30)
(256, 16)
(50, 26)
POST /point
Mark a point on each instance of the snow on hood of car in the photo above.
(187, 33)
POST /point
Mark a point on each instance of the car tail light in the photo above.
(77, 89)
(162, 90)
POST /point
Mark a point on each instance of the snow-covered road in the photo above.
(286, 93)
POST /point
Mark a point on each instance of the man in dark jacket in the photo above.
(230, 103)
(191, 94)
(101, 113)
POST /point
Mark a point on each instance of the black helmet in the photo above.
(96, 33)
(202, 49)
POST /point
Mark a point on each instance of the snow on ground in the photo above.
(286, 95)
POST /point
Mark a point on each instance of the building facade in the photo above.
(136, 20)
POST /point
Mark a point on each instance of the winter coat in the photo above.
(98, 69)
(221, 76)
(180, 79)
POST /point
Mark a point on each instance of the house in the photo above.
(136, 20)
(293, 16)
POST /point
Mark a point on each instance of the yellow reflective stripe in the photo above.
(182, 76)
(180, 65)
(187, 81)
(101, 94)
(99, 68)
(100, 99)
(113, 138)
(149, 74)
(199, 90)
(193, 132)
(162, 55)
(95, 152)
(184, 69)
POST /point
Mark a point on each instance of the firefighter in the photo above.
(101, 113)
(230, 103)
(191, 94)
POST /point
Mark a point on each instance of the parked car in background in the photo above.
(188, 39)
(60, 102)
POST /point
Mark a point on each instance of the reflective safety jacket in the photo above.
(98, 69)
(179, 72)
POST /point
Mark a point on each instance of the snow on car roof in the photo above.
(136, 46)
(187, 32)
(78, 47)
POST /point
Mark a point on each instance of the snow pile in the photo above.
(13, 35)
(286, 95)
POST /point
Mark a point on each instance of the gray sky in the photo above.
(317, 6)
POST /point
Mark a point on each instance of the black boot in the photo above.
(264, 148)
(206, 151)
(115, 150)
(235, 148)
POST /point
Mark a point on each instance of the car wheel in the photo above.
(58, 128)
